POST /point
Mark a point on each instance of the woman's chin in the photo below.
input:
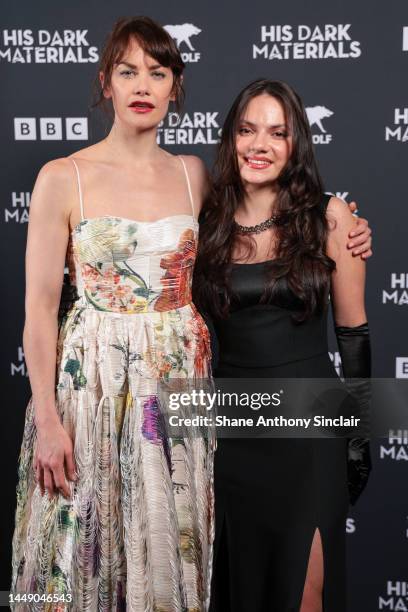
(257, 177)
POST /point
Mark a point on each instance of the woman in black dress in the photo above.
(272, 251)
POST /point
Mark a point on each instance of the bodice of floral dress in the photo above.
(125, 266)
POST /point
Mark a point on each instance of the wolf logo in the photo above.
(315, 114)
(182, 33)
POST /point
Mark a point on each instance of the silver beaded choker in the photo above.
(256, 229)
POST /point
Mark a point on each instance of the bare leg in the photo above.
(313, 589)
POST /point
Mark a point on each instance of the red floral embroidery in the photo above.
(177, 279)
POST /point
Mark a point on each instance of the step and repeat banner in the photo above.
(349, 62)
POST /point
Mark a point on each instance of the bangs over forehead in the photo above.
(151, 47)
(150, 36)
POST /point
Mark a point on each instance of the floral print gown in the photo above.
(137, 532)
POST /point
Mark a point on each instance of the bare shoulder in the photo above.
(55, 189)
(199, 177)
(194, 162)
(196, 167)
(339, 211)
(56, 172)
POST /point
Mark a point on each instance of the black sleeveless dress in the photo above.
(272, 494)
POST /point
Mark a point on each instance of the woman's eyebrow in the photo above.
(273, 126)
(126, 64)
(130, 65)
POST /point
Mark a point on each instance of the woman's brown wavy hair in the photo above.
(300, 262)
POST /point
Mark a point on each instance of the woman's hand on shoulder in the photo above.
(200, 180)
(360, 241)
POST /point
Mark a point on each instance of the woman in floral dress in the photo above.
(113, 512)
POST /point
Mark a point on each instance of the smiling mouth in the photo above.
(258, 164)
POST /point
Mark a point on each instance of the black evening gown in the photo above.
(272, 494)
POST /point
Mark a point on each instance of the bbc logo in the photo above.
(50, 128)
(401, 367)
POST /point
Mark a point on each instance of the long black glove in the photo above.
(355, 352)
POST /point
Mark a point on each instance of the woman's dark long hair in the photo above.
(300, 261)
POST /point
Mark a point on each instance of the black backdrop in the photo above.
(348, 60)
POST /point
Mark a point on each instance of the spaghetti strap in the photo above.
(190, 193)
(81, 202)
